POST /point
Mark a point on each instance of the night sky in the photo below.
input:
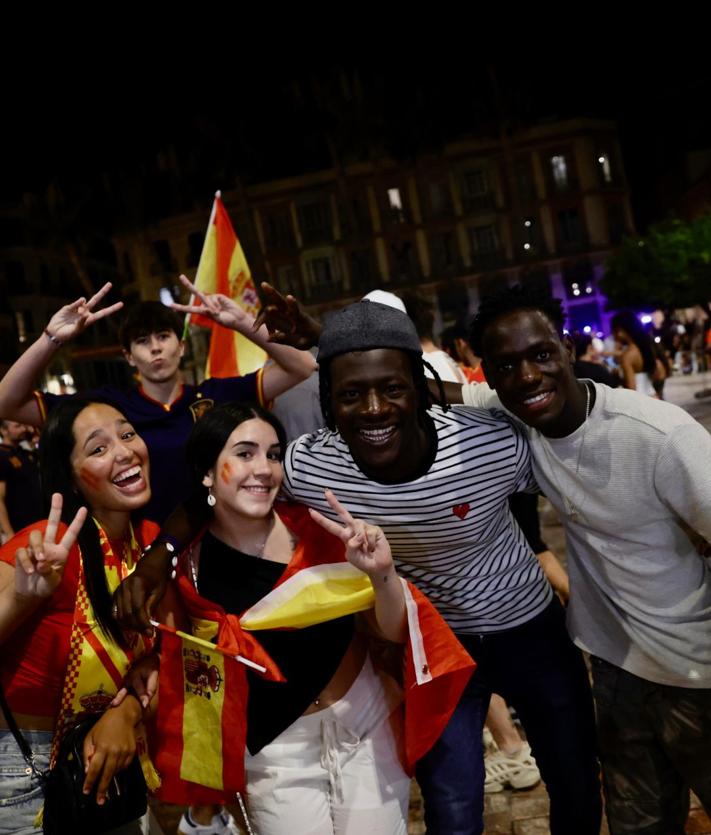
(81, 126)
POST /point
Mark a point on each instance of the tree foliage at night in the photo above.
(670, 267)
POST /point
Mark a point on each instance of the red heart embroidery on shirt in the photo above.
(461, 510)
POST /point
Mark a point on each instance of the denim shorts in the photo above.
(20, 791)
(21, 795)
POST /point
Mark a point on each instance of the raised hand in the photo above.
(286, 320)
(72, 319)
(221, 309)
(366, 545)
(39, 566)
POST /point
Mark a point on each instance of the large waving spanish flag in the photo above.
(224, 269)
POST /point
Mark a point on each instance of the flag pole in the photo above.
(208, 645)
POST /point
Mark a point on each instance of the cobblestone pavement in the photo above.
(526, 812)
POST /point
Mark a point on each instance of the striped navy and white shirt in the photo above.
(451, 531)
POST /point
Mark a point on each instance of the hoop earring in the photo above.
(211, 500)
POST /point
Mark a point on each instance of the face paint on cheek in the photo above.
(226, 473)
(88, 479)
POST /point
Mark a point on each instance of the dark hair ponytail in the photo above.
(55, 450)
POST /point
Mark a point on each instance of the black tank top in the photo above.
(308, 658)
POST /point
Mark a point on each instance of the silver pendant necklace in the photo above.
(571, 507)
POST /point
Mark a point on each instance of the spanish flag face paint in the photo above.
(109, 462)
(248, 472)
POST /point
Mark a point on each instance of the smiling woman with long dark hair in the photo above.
(63, 652)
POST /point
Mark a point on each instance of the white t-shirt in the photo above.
(451, 531)
(445, 366)
(640, 594)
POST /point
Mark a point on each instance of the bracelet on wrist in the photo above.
(53, 339)
(172, 545)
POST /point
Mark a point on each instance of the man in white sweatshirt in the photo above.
(630, 477)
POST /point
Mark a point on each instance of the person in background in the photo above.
(635, 354)
(454, 342)
(422, 314)
(20, 496)
(589, 364)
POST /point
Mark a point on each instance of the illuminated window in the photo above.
(394, 199)
(560, 171)
(604, 163)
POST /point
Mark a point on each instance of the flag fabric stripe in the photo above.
(314, 595)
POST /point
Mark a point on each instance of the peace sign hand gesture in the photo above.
(72, 319)
(366, 545)
(216, 306)
(286, 320)
(39, 567)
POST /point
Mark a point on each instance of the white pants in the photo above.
(335, 772)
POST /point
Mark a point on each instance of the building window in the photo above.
(278, 229)
(524, 180)
(288, 279)
(559, 167)
(315, 222)
(476, 183)
(569, 226)
(320, 271)
(362, 270)
(396, 207)
(443, 251)
(476, 193)
(440, 199)
(483, 239)
(163, 261)
(605, 168)
(394, 199)
(361, 215)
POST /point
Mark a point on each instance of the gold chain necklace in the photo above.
(572, 508)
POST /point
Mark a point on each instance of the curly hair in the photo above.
(507, 301)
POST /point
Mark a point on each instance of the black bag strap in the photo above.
(19, 738)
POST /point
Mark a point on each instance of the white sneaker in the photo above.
(519, 771)
(222, 824)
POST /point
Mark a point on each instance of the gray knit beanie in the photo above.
(365, 325)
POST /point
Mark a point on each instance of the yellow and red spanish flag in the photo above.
(202, 701)
(224, 269)
(200, 732)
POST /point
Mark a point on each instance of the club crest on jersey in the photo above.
(199, 407)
